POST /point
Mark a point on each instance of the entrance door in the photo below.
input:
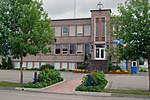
(100, 53)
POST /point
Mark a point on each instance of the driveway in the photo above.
(137, 81)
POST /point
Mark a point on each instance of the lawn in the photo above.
(10, 84)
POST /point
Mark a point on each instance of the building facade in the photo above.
(73, 39)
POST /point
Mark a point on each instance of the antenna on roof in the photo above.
(74, 8)
(100, 6)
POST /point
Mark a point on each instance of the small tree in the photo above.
(27, 26)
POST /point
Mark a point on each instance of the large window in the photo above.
(30, 65)
(57, 65)
(97, 29)
(65, 31)
(71, 48)
(24, 65)
(65, 48)
(86, 30)
(64, 65)
(79, 30)
(43, 63)
(58, 31)
(71, 66)
(17, 64)
(87, 48)
(72, 30)
(79, 48)
(36, 65)
(57, 49)
(103, 29)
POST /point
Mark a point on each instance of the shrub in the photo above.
(47, 66)
(45, 78)
(4, 63)
(98, 82)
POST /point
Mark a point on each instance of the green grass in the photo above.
(10, 84)
(141, 92)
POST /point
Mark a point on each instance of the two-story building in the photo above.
(74, 37)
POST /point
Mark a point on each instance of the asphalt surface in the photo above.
(20, 95)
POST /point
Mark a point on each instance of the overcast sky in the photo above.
(60, 9)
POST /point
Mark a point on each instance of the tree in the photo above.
(135, 30)
(27, 26)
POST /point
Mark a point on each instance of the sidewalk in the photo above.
(65, 87)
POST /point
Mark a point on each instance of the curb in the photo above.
(37, 89)
(97, 94)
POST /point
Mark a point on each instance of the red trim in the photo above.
(75, 30)
(26, 64)
(60, 65)
(32, 64)
(61, 31)
(83, 30)
(68, 30)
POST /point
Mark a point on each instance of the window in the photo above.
(79, 30)
(79, 48)
(65, 31)
(24, 65)
(71, 48)
(72, 30)
(86, 30)
(103, 29)
(17, 64)
(58, 31)
(57, 65)
(36, 65)
(30, 65)
(65, 48)
(57, 49)
(43, 63)
(71, 66)
(97, 29)
(87, 48)
(64, 65)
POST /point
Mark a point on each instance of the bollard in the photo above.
(35, 77)
(89, 79)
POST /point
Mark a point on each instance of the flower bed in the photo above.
(45, 78)
(80, 70)
(119, 72)
(97, 83)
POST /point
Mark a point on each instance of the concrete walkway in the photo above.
(65, 87)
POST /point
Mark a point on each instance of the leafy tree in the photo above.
(9, 63)
(27, 26)
(134, 29)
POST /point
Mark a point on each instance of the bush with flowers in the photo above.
(46, 77)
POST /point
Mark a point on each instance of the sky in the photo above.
(64, 9)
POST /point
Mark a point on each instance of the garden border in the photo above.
(38, 89)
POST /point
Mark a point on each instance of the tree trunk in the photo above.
(21, 72)
(149, 70)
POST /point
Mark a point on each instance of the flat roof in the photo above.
(102, 10)
(71, 19)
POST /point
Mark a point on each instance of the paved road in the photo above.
(20, 95)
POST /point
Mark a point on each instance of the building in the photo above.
(74, 37)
